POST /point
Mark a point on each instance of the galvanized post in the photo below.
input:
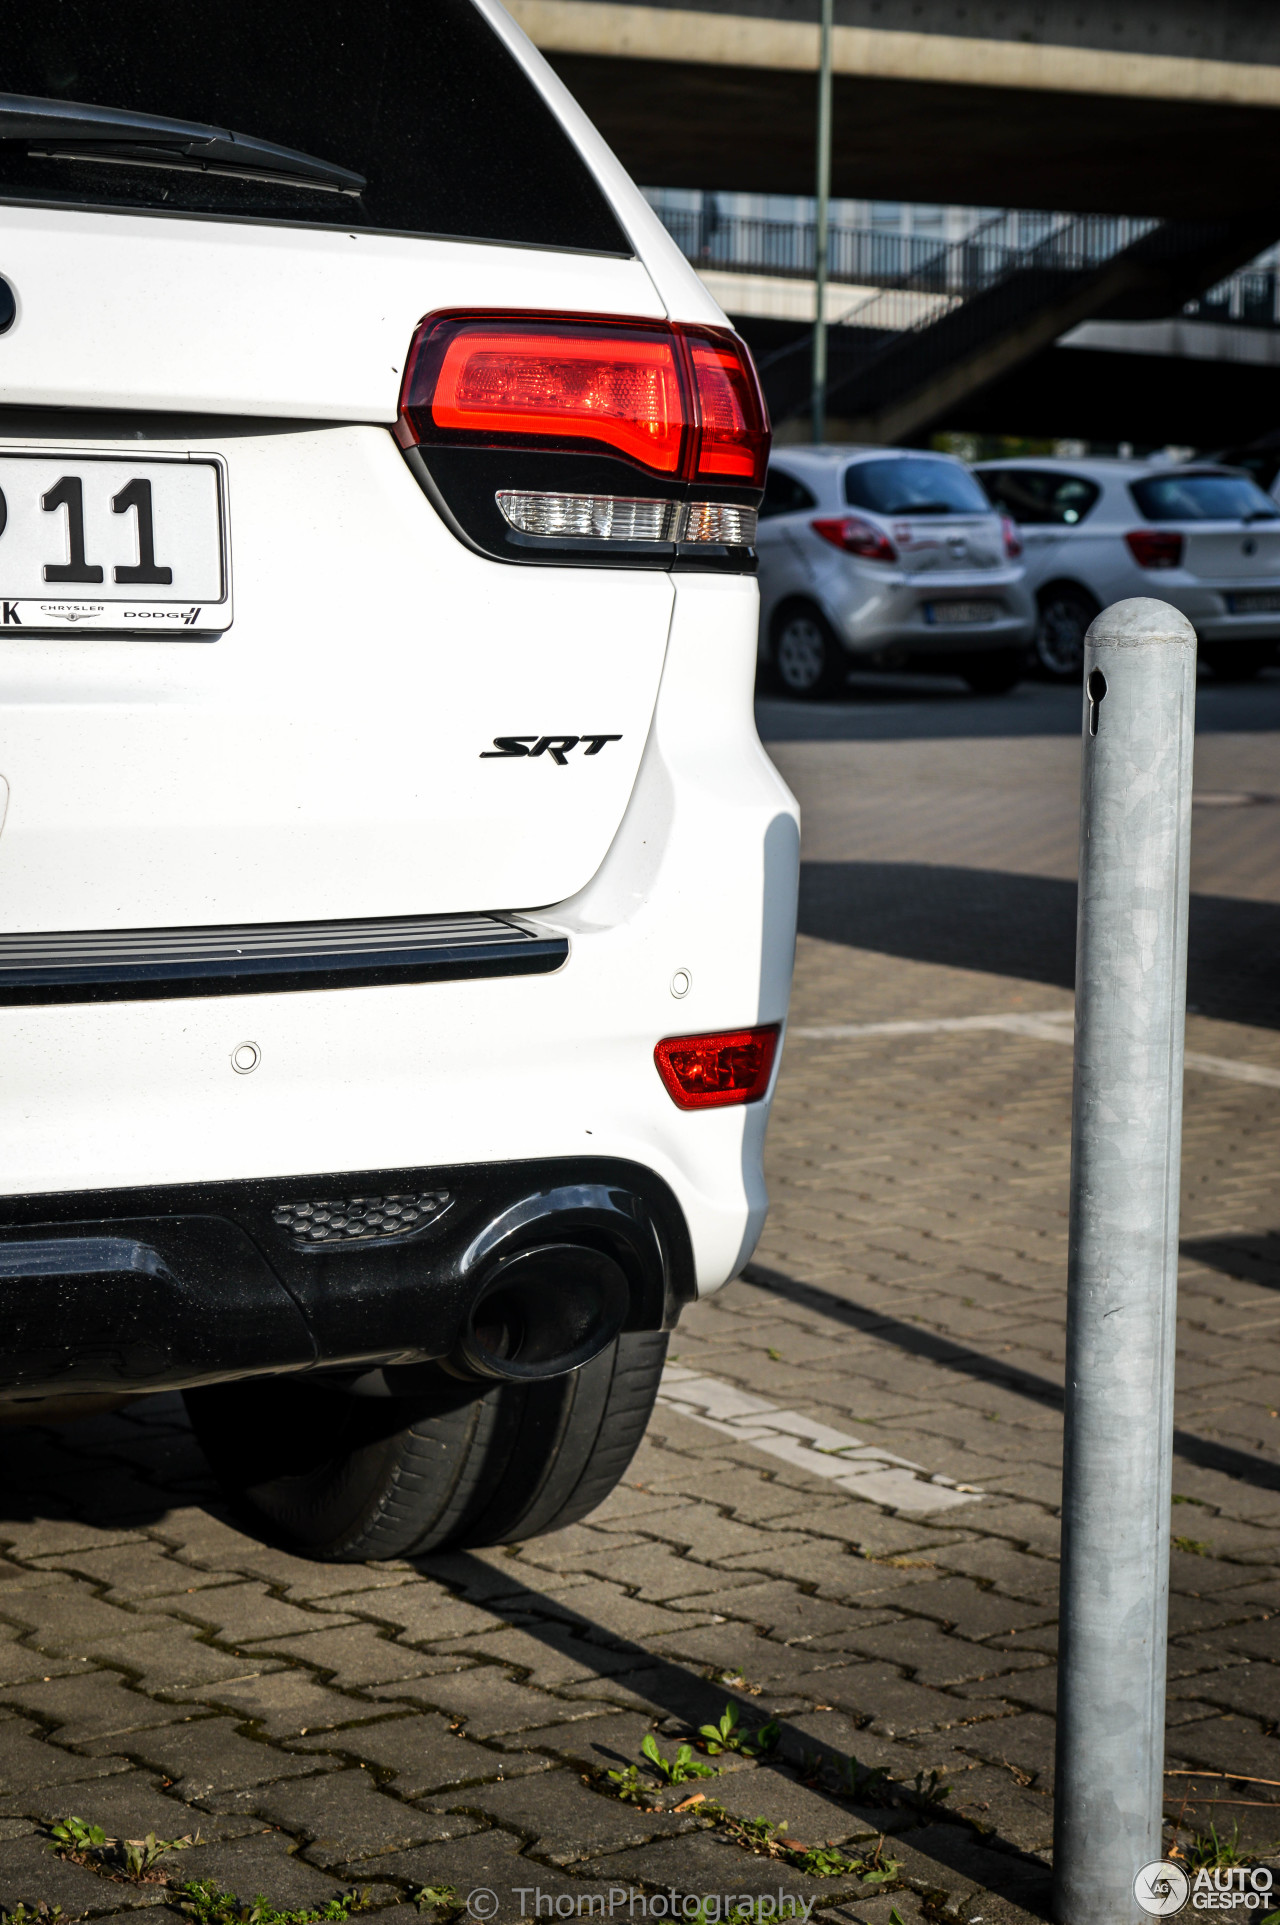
(1126, 1139)
(820, 226)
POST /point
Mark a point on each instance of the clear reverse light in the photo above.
(627, 518)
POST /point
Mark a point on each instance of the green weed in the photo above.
(1208, 1852)
(436, 1898)
(204, 1901)
(726, 1736)
(135, 1858)
(767, 1840)
(1193, 1546)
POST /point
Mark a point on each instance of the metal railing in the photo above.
(934, 275)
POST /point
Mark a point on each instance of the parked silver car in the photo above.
(1202, 536)
(886, 558)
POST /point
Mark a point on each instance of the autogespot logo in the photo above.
(1164, 1888)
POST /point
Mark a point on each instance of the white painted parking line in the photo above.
(1045, 1026)
(864, 1470)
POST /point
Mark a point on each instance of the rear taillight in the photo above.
(1012, 539)
(678, 401)
(1155, 548)
(710, 1072)
(856, 537)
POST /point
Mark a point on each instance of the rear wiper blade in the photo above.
(71, 130)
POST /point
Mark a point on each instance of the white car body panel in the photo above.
(324, 757)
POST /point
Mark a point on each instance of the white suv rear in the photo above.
(396, 906)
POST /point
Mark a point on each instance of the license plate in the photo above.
(961, 611)
(113, 544)
(1265, 602)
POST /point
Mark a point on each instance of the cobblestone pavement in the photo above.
(843, 1517)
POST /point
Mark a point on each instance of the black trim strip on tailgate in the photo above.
(129, 965)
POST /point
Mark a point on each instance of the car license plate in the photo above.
(1265, 602)
(113, 544)
(961, 611)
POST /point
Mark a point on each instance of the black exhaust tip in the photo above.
(544, 1312)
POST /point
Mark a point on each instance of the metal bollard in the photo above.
(1126, 1142)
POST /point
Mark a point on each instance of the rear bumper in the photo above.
(896, 622)
(139, 1290)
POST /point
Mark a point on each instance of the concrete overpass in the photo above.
(1161, 107)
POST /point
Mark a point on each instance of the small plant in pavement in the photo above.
(634, 1790)
(204, 1900)
(135, 1858)
(767, 1840)
(440, 1899)
(726, 1735)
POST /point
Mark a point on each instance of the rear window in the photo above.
(784, 495)
(1202, 497)
(419, 96)
(913, 485)
(1037, 496)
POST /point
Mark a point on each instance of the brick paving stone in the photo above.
(173, 1659)
(30, 1873)
(129, 1806)
(564, 1821)
(83, 1709)
(932, 1656)
(64, 1623)
(655, 1572)
(264, 1862)
(284, 1704)
(131, 1571)
(555, 1655)
(240, 1613)
(358, 1655)
(342, 1816)
(487, 1702)
(27, 1763)
(422, 1754)
(207, 1756)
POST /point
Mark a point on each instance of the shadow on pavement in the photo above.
(1251, 1255)
(978, 1367)
(1025, 926)
(990, 1861)
(902, 708)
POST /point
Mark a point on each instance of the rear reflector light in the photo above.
(710, 1072)
(1012, 539)
(856, 537)
(1155, 548)
(626, 518)
(679, 401)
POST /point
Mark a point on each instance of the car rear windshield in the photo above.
(913, 485)
(1035, 496)
(419, 96)
(1202, 497)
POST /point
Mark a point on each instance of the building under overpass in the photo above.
(1168, 110)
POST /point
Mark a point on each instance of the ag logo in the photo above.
(1162, 1888)
(558, 747)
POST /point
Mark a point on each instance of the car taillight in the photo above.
(709, 1072)
(1012, 539)
(1155, 548)
(679, 401)
(856, 537)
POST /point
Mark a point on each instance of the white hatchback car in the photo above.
(1203, 537)
(397, 904)
(886, 558)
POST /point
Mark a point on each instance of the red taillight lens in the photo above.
(856, 537)
(1012, 539)
(1155, 548)
(734, 438)
(709, 1072)
(682, 402)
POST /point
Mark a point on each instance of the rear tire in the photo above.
(808, 661)
(994, 674)
(352, 1478)
(1065, 613)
